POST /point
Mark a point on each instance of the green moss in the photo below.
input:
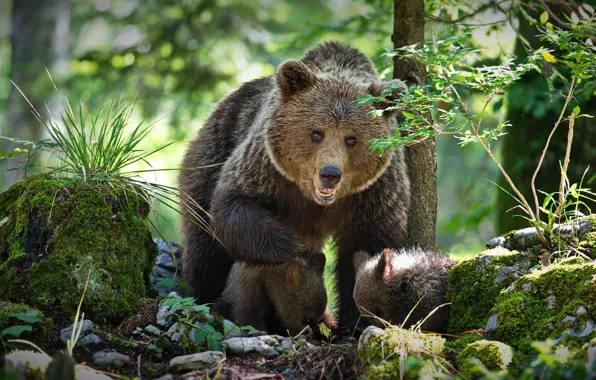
(59, 231)
(545, 304)
(422, 354)
(493, 356)
(475, 283)
(42, 328)
(456, 346)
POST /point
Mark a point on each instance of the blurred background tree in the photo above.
(178, 58)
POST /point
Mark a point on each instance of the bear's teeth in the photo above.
(325, 192)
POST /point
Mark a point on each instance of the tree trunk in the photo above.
(39, 40)
(421, 158)
(532, 116)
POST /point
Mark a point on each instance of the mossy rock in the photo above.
(557, 302)
(53, 232)
(494, 356)
(41, 329)
(379, 353)
(475, 283)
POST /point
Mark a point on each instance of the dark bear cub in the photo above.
(279, 299)
(392, 283)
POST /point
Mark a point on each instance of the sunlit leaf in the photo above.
(544, 17)
(548, 57)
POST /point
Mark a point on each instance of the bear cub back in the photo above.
(279, 299)
(392, 284)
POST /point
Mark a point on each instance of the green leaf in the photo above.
(544, 17)
(200, 335)
(407, 115)
(16, 331)
(29, 317)
(576, 110)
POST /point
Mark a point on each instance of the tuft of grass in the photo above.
(99, 148)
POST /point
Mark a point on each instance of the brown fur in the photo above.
(279, 299)
(390, 284)
(258, 166)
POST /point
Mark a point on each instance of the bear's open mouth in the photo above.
(324, 194)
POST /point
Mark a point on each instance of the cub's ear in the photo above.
(396, 87)
(293, 275)
(386, 268)
(360, 258)
(292, 77)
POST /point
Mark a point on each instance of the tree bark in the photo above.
(421, 158)
(39, 40)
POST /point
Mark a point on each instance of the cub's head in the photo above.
(403, 287)
(299, 296)
(319, 139)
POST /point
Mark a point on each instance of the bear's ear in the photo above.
(293, 275)
(386, 268)
(360, 258)
(396, 87)
(292, 77)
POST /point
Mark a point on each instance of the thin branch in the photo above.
(552, 132)
(566, 163)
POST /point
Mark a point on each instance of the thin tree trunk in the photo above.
(421, 158)
(39, 40)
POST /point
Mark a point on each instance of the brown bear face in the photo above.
(300, 299)
(319, 139)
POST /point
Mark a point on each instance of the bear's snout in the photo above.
(330, 175)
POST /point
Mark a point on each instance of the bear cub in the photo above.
(390, 284)
(279, 299)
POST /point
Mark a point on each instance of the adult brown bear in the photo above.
(283, 163)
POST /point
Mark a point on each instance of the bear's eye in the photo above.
(316, 136)
(351, 141)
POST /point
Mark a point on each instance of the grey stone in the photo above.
(552, 302)
(258, 345)
(152, 330)
(581, 311)
(492, 323)
(66, 333)
(196, 361)
(166, 377)
(176, 331)
(587, 329)
(568, 319)
(110, 359)
(369, 333)
(165, 316)
(90, 339)
(231, 330)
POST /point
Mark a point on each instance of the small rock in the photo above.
(176, 331)
(231, 330)
(90, 339)
(110, 359)
(152, 330)
(166, 377)
(568, 319)
(369, 333)
(492, 323)
(587, 329)
(527, 287)
(165, 316)
(249, 345)
(581, 311)
(66, 333)
(196, 361)
(552, 302)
